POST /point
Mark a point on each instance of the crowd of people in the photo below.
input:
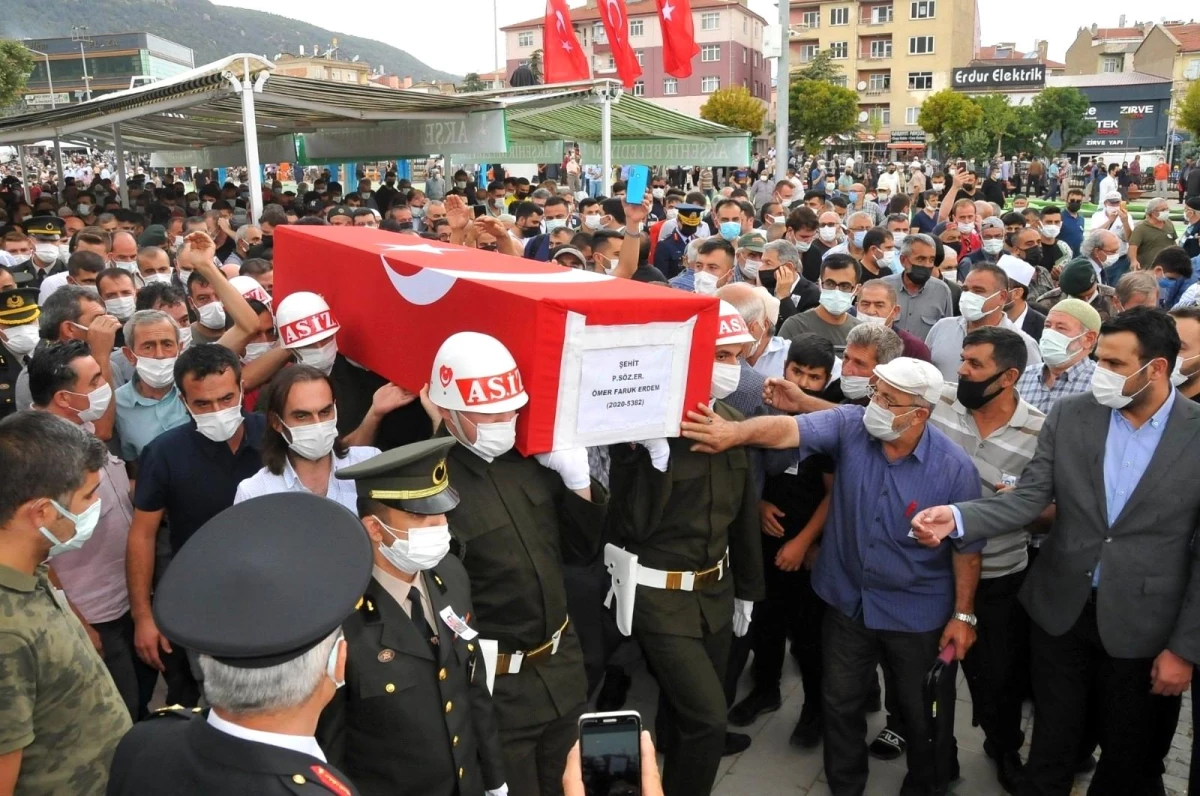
(902, 357)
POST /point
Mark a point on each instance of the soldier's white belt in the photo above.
(682, 581)
(511, 662)
(627, 574)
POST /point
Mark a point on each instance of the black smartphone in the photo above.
(479, 210)
(610, 751)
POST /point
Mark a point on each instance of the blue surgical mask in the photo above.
(730, 230)
(853, 197)
(859, 237)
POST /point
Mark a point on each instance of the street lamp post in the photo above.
(49, 77)
(78, 33)
(53, 105)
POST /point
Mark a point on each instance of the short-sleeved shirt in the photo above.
(1150, 241)
(60, 705)
(809, 321)
(999, 459)
(920, 311)
(945, 341)
(140, 419)
(265, 482)
(869, 566)
(193, 478)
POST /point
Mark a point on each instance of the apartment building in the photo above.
(323, 67)
(1172, 51)
(729, 34)
(100, 64)
(1098, 50)
(1004, 53)
(894, 53)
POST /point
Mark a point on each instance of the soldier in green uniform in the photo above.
(686, 560)
(515, 526)
(260, 592)
(46, 259)
(415, 717)
(18, 337)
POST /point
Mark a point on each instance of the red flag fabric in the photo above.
(616, 26)
(679, 37)
(563, 60)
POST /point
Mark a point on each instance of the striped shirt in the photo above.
(999, 459)
(1073, 381)
(264, 482)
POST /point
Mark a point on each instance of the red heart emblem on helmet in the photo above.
(445, 374)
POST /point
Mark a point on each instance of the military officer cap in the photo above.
(266, 580)
(44, 225)
(19, 306)
(339, 210)
(689, 214)
(411, 478)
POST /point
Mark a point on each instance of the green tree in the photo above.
(535, 65)
(1187, 114)
(471, 82)
(15, 65)
(821, 67)
(948, 116)
(999, 118)
(735, 107)
(818, 110)
(1060, 113)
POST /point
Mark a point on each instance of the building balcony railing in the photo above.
(875, 92)
(870, 22)
(869, 56)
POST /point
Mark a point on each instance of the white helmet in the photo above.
(475, 373)
(249, 287)
(732, 326)
(303, 319)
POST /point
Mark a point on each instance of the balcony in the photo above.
(872, 22)
(876, 92)
(874, 56)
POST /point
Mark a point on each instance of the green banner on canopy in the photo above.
(728, 151)
(517, 152)
(481, 131)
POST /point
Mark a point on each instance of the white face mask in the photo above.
(971, 305)
(1177, 375)
(803, 245)
(98, 401)
(46, 252)
(672, 213)
(879, 422)
(319, 357)
(21, 340)
(870, 320)
(491, 439)
(150, 279)
(220, 426)
(750, 268)
(85, 526)
(855, 387)
(1108, 388)
(836, 302)
(592, 222)
(423, 549)
(1051, 230)
(555, 223)
(313, 441)
(1053, 347)
(705, 283)
(888, 259)
(120, 307)
(658, 193)
(828, 234)
(993, 245)
(1111, 259)
(157, 373)
(966, 229)
(256, 350)
(725, 378)
(212, 315)
(185, 337)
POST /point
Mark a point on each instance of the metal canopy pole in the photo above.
(606, 141)
(247, 86)
(62, 177)
(24, 173)
(783, 92)
(120, 149)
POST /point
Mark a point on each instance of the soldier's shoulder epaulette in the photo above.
(175, 712)
(366, 607)
(316, 779)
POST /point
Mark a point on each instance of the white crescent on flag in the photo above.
(615, 13)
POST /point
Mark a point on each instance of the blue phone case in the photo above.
(635, 191)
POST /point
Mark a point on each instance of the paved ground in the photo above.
(771, 767)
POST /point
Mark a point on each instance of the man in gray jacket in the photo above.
(1115, 594)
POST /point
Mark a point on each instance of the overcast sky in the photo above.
(458, 35)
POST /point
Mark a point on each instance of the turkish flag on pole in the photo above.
(679, 37)
(563, 60)
(616, 26)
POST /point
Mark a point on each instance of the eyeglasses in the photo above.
(845, 287)
(887, 403)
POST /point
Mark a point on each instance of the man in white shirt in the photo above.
(1109, 184)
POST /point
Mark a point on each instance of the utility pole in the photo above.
(783, 94)
(79, 34)
(495, 38)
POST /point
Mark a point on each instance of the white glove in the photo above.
(660, 452)
(741, 616)
(571, 464)
(500, 791)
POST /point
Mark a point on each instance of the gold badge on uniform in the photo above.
(385, 655)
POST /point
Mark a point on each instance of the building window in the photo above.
(881, 48)
(710, 52)
(920, 45)
(839, 16)
(810, 19)
(911, 115)
(840, 80)
(611, 63)
(639, 88)
(1110, 65)
(838, 49)
(809, 52)
(880, 81)
(635, 27)
(745, 56)
(582, 34)
(599, 36)
(922, 9)
(710, 20)
(883, 115)
(881, 14)
(745, 25)
(709, 84)
(670, 86)
(756, 59)
(640, 57)
(920, 81)
(525, 38)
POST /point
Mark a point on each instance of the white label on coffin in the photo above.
(621, 383)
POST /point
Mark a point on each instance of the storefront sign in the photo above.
(1027, 76)
(729, 151)
(907, 136)
(1124, 124)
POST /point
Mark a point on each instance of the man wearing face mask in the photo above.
(923, 300)
(1055, 253)
(686, 531)
(1078, 280)
(149, 403)
(831, 319)
(749, 256)
(730, 219)
(18, 336)
(436, 734)
(780, 275)
(1023, 317)
(263, 613)
(873, 610)
(521, 518)
(1186, 375)
(714, 266)
(1073, 223)
(46, 258)
(1024, 244)
(668, 253)
(1066, 367)
(984, 296)
(1154, 234)
(879, 255)
(118, 292)
(56, 686)
(1106, 460)
(992, 234)
(555, 215)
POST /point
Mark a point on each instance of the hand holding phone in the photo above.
(610, 754)
(651, 782)
(635, 189)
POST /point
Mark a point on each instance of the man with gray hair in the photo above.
(247, 236)
(685, 280)
(781, 273)
(1103, 249)
(857, 224)
(1137, 289)
(1155, 233)
(149, 403)
(264, 616)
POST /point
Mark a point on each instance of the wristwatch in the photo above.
(968, 618)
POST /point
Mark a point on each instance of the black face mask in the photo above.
(956, 246)
(404, 224)
(530, 232)
(1074, 206)
(971, 393)
(1034, 256)
(767, 280)
(688, 230)
(919, 274)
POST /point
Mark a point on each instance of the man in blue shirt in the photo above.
(1072, 222)
(886, 597)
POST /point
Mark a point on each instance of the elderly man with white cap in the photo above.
(890, 465)
(1018, 311)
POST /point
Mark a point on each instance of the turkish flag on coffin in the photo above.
(603, 360)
